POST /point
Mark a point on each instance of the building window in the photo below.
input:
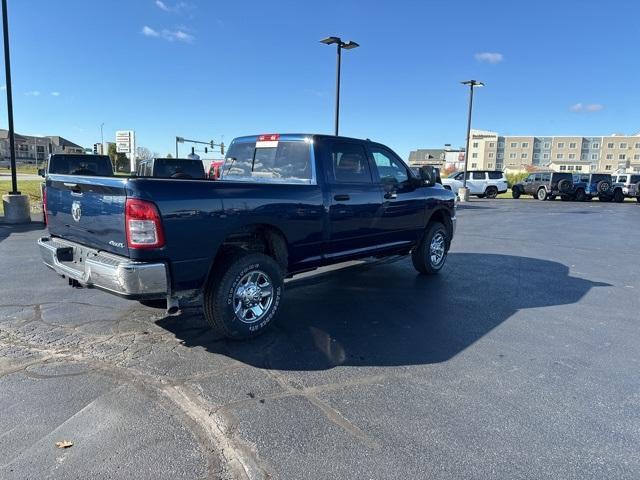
(536, 155)
(583, 156)
(623, 145)
(563, 168)
(545, 156)
(610, 145)
(474, 165)
(489, 165)
(594, 156)
(525, 144)
(607, 167)
(475, 144)
(636, 156)
(560, 144)
(559, 156)
(572, 145)
(524, 155)
(579, 168)
(622, 156)
(572, 156)
(595, 145)
(500, 156)
(490, 154)
(500, 144)
(536, 144)
(514, 144)
(512, 155)
(492, 144)
(637, 145)
(547, 145)
(609, 156)
(474, 155)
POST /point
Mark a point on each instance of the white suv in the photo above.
(481, 183)
(626, 185)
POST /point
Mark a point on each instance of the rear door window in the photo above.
(276, 161)
(495, 175)
(349, 163)
(478, 175)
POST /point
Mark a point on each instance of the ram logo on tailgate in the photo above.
(76, 211)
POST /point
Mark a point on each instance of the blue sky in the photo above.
(203, 69)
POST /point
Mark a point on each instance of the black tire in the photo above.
(221, 295)
(604, 198)
(515, 192)
(580, 195)
(564, 186)
(421, 255)
(541, 194)
(160, 303)
(491, 192)
(618, 196)
(565, 198)
(480, 195)
(638, 199)
(551, 198)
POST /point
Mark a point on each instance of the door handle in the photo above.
(341, 198)
(390, 195)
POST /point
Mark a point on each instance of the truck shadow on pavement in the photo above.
(383, 314)
(6, 229)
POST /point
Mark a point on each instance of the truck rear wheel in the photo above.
(242, 297)
(430, 254)
(515, 192)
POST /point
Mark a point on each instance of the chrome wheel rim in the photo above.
(253, 296)
(436, 249)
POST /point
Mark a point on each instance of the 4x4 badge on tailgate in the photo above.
(76, 211)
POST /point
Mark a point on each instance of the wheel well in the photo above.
(444, 218)
(255, 238)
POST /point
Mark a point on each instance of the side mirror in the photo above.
(41, 172)
(428, 175)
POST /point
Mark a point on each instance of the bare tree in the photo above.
(143, 153)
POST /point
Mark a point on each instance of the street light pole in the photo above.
(102, 137)
(339, 46)
(472, 84)
(7, 68)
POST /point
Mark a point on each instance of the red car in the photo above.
(215, 170)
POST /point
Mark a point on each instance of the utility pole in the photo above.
(7, 68)
(464, 191)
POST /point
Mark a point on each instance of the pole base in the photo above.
(16, 208)
(463, 194)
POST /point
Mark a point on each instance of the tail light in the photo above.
(142, 224)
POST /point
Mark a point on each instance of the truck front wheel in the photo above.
(430, 254)
(243, 294)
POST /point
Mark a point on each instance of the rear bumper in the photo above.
(113, 273)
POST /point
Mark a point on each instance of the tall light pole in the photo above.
(472, 84)
(339, 46)
(7, 68)
(102, 137)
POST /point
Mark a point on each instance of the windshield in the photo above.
(178, 168)
(283, 162)
(94, 165)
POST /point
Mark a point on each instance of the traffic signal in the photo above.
(95, 148)
(222, 148)
(206, 150)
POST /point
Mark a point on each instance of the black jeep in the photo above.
(545, 186)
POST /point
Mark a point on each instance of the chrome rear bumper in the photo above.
(113, 273)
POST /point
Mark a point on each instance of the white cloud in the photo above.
(162, 6)
(585, 107)
(149, 32)
(32, 93)
(55, 94)
(179, 34)
(489, 57)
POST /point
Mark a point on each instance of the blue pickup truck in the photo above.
(286, 204)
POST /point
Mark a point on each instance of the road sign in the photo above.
(125, 141)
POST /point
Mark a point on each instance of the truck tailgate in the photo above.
(88, 210)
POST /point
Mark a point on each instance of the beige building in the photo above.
(615, 153)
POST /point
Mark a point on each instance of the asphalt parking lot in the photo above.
(520, 360)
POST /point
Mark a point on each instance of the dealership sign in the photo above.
(125, 141)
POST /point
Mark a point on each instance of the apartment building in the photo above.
(33, 149)
(614, 153)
